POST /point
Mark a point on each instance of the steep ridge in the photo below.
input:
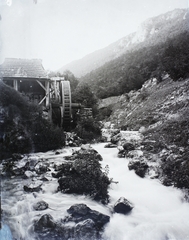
(151, 32)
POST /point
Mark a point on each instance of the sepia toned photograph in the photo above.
(94, 120)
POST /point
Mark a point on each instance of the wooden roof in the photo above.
(23, 68)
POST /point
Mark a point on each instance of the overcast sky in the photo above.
(60, 31)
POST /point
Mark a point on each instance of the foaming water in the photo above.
(159, 212)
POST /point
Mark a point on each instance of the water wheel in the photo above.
(66, 113)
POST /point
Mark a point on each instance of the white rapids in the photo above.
(159, 213)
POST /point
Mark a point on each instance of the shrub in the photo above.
(86, 97)
(23, 127)
(88, 129)
(104, 113)
(17, 140)
(86, 177)
(46, 136)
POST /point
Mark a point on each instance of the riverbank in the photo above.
(158, 212)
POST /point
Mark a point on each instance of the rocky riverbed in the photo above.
(62, 194)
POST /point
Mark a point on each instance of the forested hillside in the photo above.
(151, 32)
(132, 69)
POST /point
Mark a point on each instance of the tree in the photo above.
(176, 57)
(84, 95)
(67, 75)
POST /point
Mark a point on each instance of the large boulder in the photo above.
(140, 167)
(82, 223)
(86, 230)
(116, 138)
(47, 228)
(108, 132)
(29, 174)
(41, 205)
(124, 149)
(26, 167)
(33, 187)
(127, 146)
(41, 168)
(110, 145)
(123, 206)
(81, 212)
(46, 222)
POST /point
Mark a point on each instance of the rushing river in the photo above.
(159, 212)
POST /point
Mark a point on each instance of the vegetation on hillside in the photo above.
(83, 95)
(132, 69)
(23, 128)
(170, 139)
(88, 128)
(160, 111)
(175, 59)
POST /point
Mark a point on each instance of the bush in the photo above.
(86, 177)
(86, 97)
(104, 113)
(45, 136)
(23, 128)
(17, 140)
(88, 129)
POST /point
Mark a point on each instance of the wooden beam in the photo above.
(41, 85)
(42, 100)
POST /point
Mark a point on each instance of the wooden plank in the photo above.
(42, 100)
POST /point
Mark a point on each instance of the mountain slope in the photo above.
(153, 31)
(160, 111)
(132, 69)
(150, 106)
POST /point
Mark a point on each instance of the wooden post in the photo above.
(48, 100)
(50, 113)
(15, 84)
(47, 87)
